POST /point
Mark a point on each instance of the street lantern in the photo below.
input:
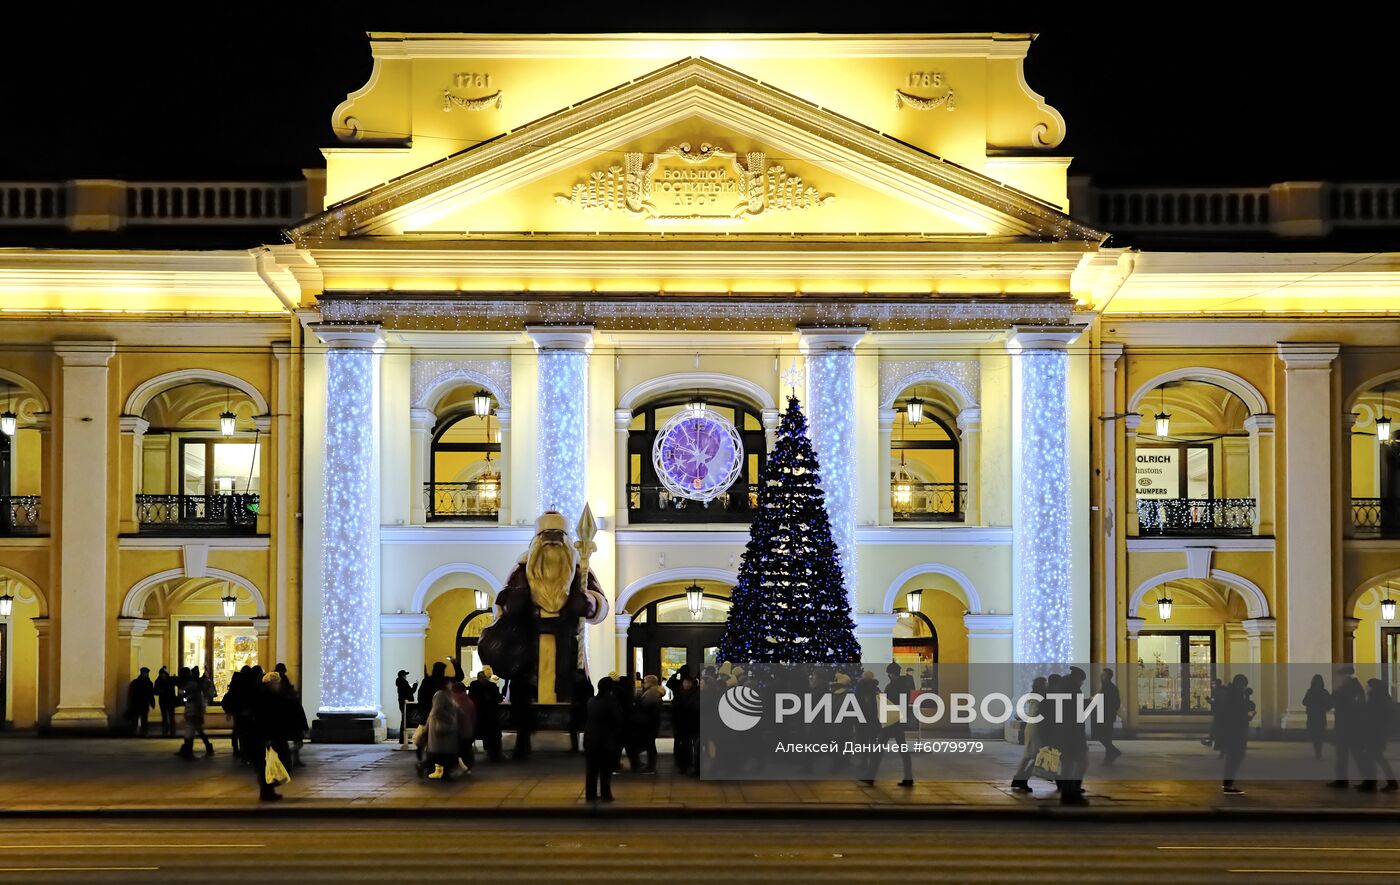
(1382, 423)
(230, 605)
(694, 598)
(483, 600)
(228, 423)
(8, 422)
(696, 405)
(1388, 607)
(1164, 608)
(914, 599)
(914, 410)
(7, 604)
(1162, 419)
(481, 403)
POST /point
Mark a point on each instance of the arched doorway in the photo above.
(468, 635)
(1375, 462)
(188, 623)
(1376, 640)
(19, 654)
(456, 619)
(666, 633)
(1191, 631)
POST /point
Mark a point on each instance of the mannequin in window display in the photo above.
(537, 639)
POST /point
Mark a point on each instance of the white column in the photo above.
(970, 427)
(1307, 542)
(503, 496)
(622, 423)
(349, 659)
(134, 428)
(1261, 470)
(771, 419)
(420, 424)
(402, 635)
(1109, 354)
(561, 436)
(82, 591)
(285, 601)
(1042, 541)
(886, 466)
(831, 382)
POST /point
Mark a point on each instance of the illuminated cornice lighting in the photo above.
(1164, 607)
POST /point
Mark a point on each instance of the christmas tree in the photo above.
(790, 605)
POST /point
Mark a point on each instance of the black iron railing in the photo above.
(222, 514)
(19, 515)
(1375, 517)
(928, 501)
(1196, 516)
(480, 499)
(656, 503)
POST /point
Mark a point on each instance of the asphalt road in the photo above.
(261, 851)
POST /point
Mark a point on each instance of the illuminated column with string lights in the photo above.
(561, 402)
(831, 384)
(1042, 508)
(349, 660)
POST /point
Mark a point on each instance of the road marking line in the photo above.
(1324, 872)
(78, 869)
(140, 845)
(1264, 848)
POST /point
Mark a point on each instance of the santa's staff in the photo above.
(587, 527)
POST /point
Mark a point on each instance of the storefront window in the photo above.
(219, 650)
(1174, 671)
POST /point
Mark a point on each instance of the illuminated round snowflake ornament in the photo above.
(698, 454)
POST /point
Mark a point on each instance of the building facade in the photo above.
(1041, 408)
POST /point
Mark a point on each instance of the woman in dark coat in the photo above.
(273, 722)
(685, 724)
(1317, 701)
(578, 707)
(487, 698)
(1234, 710)
(1375, 732)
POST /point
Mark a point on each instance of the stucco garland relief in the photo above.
(485, 102)
(708, 184)
(904, 99)
(963, 376)
(426, 375)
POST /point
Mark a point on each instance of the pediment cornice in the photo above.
(686, 89)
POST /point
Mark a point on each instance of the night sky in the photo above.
(245, 91)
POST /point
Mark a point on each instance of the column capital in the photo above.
(262, 627)
(771, 418)
(130, 628)
(1260, 628)
(1134, 626)
(1307, 355)
(622, 420)
(1110, 352)
(819, 338)
(1349, 626)
(987, 625)
(85, 353)
(42, 626)
(1042, 337)
(970, 419)
(875, 624)
(403, 626)
(1131, 422)
(622, 621)
(337, 336)
(263, 423)
(1260, 425)
(133, 425)
(421, 419)
(502, 417)
(282, 350)
(1349, 420)
(886, 418)
(565, 338)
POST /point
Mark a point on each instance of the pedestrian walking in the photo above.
(272, 723)
(140, 701)
(1103, 728)
(648, 721)
(1317, 701)
(197, 692)
(1375, 732)
(168, 696)
(1216, 687)
(578, 707)
(602, 730)
(1348, 707)
(1234, 710)
(466, 724)
(1072, 743)
(685, 725)
(899, 689)
(625, 690)
(1030, 737)
(487, 696)
(443, 742)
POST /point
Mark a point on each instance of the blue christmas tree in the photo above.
(790, 604)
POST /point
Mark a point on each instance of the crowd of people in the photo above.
(264, 708)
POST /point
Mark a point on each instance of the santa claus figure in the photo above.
(537, 639)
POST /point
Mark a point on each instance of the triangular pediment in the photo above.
(695, 146)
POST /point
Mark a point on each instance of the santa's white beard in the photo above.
(550, 571)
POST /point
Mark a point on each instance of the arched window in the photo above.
(464, 480)
(649, 500)
(926, 459)
(468, 635)
(1375, 463)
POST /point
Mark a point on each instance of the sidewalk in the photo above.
(129, 776)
